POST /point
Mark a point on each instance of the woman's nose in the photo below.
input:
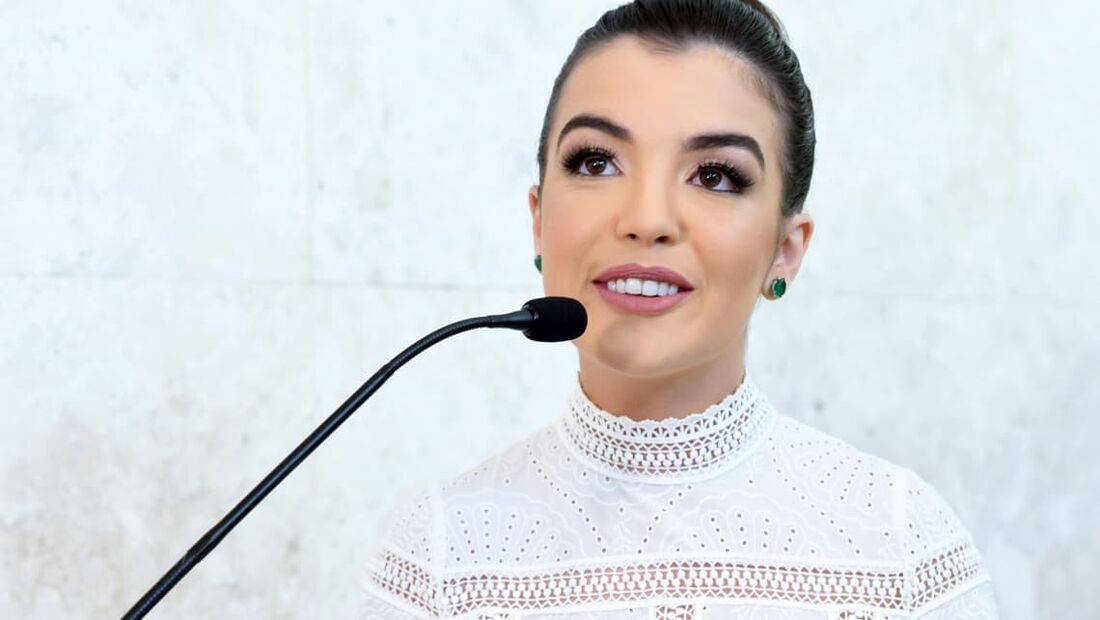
(649, 215)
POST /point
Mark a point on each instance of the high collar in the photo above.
(697, 446)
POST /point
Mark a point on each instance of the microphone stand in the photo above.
(205, 544)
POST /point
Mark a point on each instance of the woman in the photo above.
(674, 160)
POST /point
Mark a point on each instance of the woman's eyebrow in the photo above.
(719, 140)
(599, 123)
(694, 143)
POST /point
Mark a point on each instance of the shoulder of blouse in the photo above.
(403, 573)
(941, 563)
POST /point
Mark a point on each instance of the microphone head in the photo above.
(555, 319)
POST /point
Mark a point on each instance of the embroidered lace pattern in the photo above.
(603, 517)
(686, 580)
(860, 615)
(679, 612)
(701, 443)
(408, 581)
(939, 575)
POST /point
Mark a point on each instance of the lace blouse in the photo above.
(733, 512)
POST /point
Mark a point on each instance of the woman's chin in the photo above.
(634, 357)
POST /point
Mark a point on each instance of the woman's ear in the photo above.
(536, 216)
(792, 247)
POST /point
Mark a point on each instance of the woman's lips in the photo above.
(633, 270)
(640, 304)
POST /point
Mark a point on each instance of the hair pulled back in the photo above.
(744, 27)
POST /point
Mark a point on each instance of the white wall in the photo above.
(218, 218)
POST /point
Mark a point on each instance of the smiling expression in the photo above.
(666, 160)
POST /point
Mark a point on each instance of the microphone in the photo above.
(546, 319)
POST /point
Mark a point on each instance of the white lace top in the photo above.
(734, 512)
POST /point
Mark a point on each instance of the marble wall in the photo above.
(218, 218)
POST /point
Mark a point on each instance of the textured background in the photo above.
(217, 219)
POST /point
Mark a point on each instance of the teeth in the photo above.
(647, 288)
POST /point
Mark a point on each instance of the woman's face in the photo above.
(641, 175)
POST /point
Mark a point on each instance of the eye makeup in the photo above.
(578, 155)
(739, 179)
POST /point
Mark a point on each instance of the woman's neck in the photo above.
(667, 396)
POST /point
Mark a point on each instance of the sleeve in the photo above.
(403, 577)
(946, 577)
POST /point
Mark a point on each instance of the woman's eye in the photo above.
(596, 165)
(721, 180)
(590, 161)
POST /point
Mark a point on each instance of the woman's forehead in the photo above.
(668, 95)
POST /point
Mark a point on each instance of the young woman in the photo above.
(675, 157)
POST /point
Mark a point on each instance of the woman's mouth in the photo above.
(640, 302)
(645, 290)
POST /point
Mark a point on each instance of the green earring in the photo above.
(779, 286)
(538, 262)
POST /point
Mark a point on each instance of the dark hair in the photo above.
(745, 27)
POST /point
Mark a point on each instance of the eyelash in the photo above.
(582, 153)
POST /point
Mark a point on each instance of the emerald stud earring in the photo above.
(779, 286)
(538, 262)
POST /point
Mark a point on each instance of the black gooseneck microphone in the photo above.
(546, 319)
